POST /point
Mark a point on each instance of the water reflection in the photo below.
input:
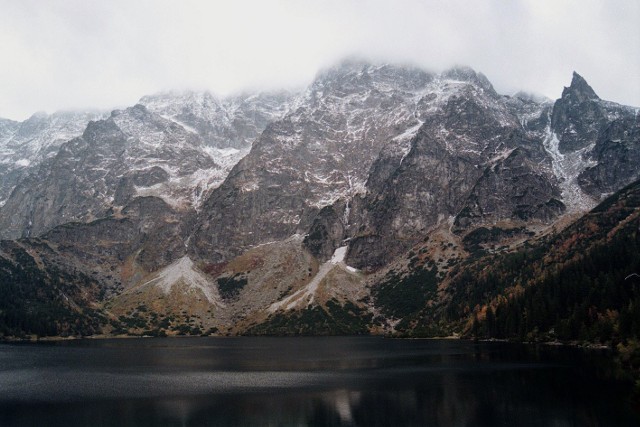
(303, 381)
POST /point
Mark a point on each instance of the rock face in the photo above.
(135, 152)
(400, 149)
(594, 143)
(232, 122)
(318, 153)
(577, 116)
(24, 145)
(614, 158)
(328, 230)
(471, 161)
(132, 153)
(396, 151)
(123, 247)
(236, 205)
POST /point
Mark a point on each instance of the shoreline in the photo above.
(575, 344)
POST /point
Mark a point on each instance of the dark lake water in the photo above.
(359, 381)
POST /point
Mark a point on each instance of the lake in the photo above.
(353, 381)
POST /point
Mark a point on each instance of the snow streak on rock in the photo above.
(567, 167)
(307, 294)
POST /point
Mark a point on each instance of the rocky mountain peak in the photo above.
(24, 145)
(343, 68)
(579, 89)
(577, 116)
(233, 122)
(36, 123)
(100, 131)
(38, 115)
(139, 110)
(174, 103)
(469, 75)
(352, 75)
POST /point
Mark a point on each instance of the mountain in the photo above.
(593, 142)
(24, 145)
(470, 163)
(136, 152)
(578, 284)
(317, 154)
(373, 201)
(232, 122)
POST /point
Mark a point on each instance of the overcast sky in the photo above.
(69, 54)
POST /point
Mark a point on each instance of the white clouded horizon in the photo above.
(75, 54)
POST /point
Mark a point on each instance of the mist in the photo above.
(75, 54)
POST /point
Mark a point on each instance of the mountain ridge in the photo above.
(195, 213)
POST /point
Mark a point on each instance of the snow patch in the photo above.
(338, 255)
(23, 163)
(347, 212)
(500, 156)
(178, 122)
(336, 189)
(226, 152)
(567, 167)
(409, 132)
(248, 187)
(308, 292)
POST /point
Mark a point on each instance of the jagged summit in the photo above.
(231, 122)
(357, 74)
(358, 71)
(468, 74)
(579, 89)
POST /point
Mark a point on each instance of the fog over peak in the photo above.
(76, 54)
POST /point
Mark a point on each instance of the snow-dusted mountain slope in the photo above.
(24, 145)
(178, 154)
(596, 143)
(231, 122)
(346, 135)
(318, 153)
(400, 149)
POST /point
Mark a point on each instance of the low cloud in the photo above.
(78, 54)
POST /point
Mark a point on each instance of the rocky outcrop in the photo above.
(107, 167)
(472, 161)
(232, 122)
(577, 116)
(512, 188)
(320, 152)
(124, 246)
(616, 155)
(594, 142)
(328, 230)
(24, 145)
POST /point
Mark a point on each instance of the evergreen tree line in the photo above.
(595, 298)
(37, 302)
